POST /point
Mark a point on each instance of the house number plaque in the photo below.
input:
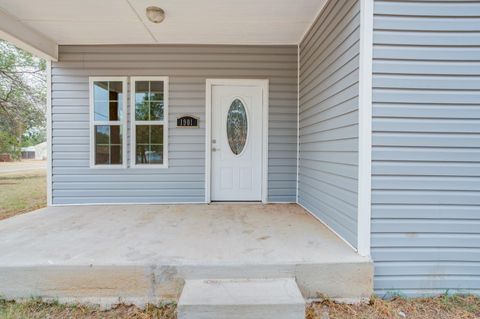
(187, 121)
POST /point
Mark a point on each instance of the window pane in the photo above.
(115, 154)
(156, 111)
(120, 109)
(105, 92)
(115, 134)
(142, 134)
(115, 90)
(149, 154)
(141, 91)
(237, 126)
(107, 106)
(141, 154)
(141, 111)
(102, 155)
(156, 134)
(156, 91)
(102, 134)
(108, 144)
(155, 155)
(101, 110)
(100, 91)
(149, 144)
(149, 106)
(114, 111)
(156, 96)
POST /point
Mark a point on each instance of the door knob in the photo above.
(215, 149)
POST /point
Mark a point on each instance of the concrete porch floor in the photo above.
(144, 253)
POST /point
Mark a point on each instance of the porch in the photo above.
(145, 253)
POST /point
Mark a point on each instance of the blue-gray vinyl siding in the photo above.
(328, 119)
(426, 147)
(188, 67)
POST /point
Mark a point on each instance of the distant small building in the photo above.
(28, 152)
(37, 152)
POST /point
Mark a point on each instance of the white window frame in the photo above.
(122, 123)
(134, 122)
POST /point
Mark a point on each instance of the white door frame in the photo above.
(208, 130)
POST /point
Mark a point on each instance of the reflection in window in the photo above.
(107, 99)
(149, 144)
(149, 121)
(237, 126)
(149, 100)
(108, 144)
(108, 122)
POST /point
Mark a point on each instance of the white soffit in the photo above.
(186, 22)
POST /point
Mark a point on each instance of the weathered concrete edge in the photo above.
(140, 285)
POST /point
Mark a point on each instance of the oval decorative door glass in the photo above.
(237, 126)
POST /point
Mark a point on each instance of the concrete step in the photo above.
(241, 299)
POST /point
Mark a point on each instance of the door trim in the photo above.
(262, 83)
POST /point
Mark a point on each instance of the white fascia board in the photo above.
(26, 38)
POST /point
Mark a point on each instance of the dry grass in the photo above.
(22, 192)
(35, 309)
(441, 307)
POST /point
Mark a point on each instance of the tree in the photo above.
(22, 98)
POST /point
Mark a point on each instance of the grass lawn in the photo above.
(35, 309)
(21, 192)
(442, 307)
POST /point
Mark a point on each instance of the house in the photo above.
(363, 114)
(41, 151)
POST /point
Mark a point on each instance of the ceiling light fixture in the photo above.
(155, 14)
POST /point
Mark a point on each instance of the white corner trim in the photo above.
(19, 34)
(134, 122)
(365, 128)
(92, 121)
(298, 120)
(264, 84)
(49, 134)
(208, 139)
(265, 119)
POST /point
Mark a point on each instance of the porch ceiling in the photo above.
(186, 22)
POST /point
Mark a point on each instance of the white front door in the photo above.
(236, 143)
